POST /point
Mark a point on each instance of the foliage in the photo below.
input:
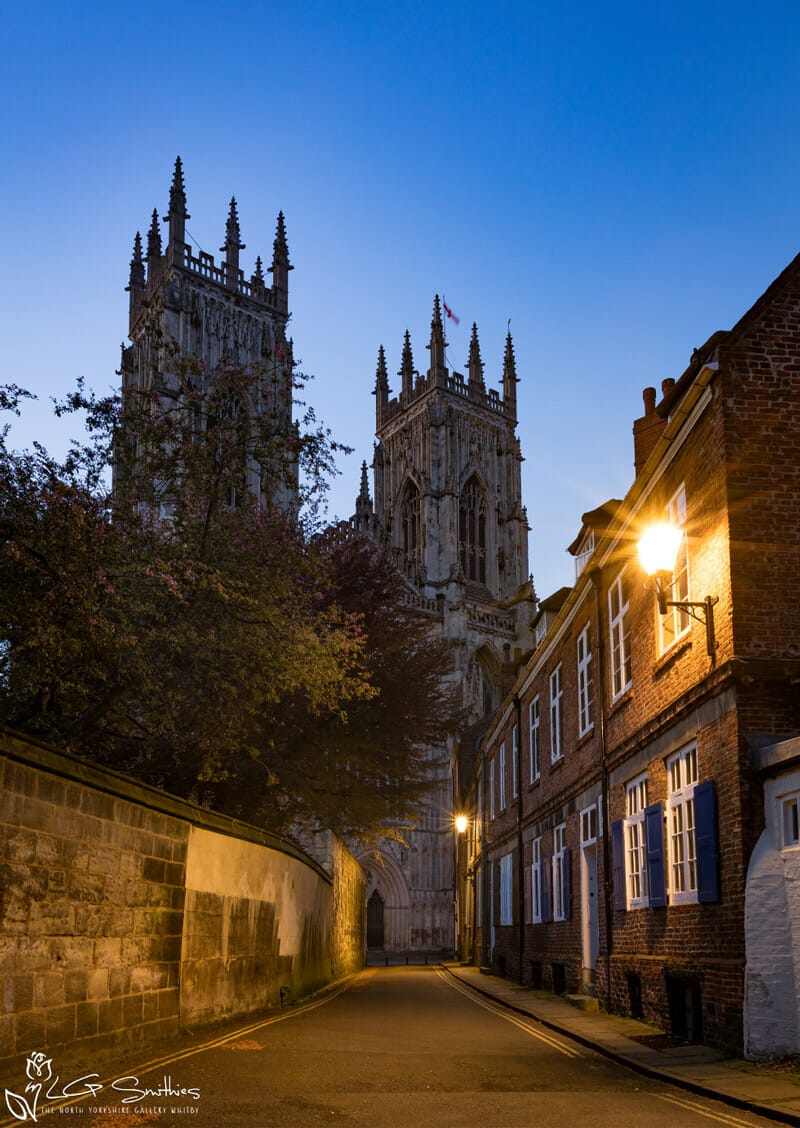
(187, 629)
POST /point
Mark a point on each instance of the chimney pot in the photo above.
(667, 386)
(649, 397)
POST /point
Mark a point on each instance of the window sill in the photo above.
(535, 783)
(620, 702)
(585, 737)
(554, 764)
(669, 657)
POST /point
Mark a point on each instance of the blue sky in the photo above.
(620, 180)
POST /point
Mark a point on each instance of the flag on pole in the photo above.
(449, 311)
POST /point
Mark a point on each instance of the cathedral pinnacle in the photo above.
(407, 365)
(153, 241)
(232, 246)
(364, 491)
(475, 364)
(136, 279)
(381, 387)
(232, 234)
(177, 192)
(177, 214)
(281, 266)
(259, 274)
(510, 379)
(438, 344)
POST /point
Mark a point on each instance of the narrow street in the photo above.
(394, 1047)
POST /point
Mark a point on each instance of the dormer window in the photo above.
(585, 550)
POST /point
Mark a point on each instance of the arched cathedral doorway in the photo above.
(375, 920)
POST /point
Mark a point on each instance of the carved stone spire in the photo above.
(257, 284)
(153, 243)
(477, 384)
(364, 517)
(363, 494)
(232, 246)
(510, 380)
(281, 266)
(177, 214)
(438, 368)
(381, 386)
(407, 366)
(135, 285)
(136, 277)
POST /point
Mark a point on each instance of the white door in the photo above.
(590, 920)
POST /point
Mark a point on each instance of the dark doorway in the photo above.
(685, 1008)
(375, 920)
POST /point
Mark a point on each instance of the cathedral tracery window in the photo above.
(472, 531)
(411, 521)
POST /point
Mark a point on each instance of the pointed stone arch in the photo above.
(473, 522)
(385, 877)
(410, 527)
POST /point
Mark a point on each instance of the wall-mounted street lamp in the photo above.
(461, 822)
(658, 549)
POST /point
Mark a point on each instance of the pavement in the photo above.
(699, 1069)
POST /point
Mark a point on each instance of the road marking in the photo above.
(543, 1036)
(722, 1117)
(211, 1044)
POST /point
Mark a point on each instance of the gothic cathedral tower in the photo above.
(184, 305)
(448, 501)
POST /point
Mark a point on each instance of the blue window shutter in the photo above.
(654, 848)
(618, 864)
(705, 829)
(567, 899)
(547, 906)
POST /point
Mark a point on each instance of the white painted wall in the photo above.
(772, 934)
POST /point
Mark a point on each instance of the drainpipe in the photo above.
(520, 865)
(596, 577)
(484, 866)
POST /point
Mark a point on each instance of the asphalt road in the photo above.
(397, 1047)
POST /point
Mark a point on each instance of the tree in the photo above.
(364, 771)
(188, 629)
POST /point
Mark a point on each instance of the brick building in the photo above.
(620, 789)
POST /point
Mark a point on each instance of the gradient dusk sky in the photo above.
(619, 180)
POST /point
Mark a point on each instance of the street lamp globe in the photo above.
(658, 548)
(461, 822)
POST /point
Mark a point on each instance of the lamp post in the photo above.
(460, 824)
(658, 549)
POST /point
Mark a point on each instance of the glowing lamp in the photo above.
(461, 823)
(658, 550)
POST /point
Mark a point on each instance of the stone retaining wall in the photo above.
(126, 914)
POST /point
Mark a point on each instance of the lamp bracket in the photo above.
(701, 612)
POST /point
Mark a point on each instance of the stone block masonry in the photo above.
(126, 913)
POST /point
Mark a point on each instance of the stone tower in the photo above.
(209, 311)
(448, 502)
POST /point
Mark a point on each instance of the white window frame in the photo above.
(619, 637)
(585, 682)
(501, 773)
(590, 825)
(682, 777)
(491, 788)
(677, 622)
(514, 761)
(636, 843)
(559, 863)
(537, 881)
(789, 808)
(507, 889)
(533, 747)
(556, 716)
